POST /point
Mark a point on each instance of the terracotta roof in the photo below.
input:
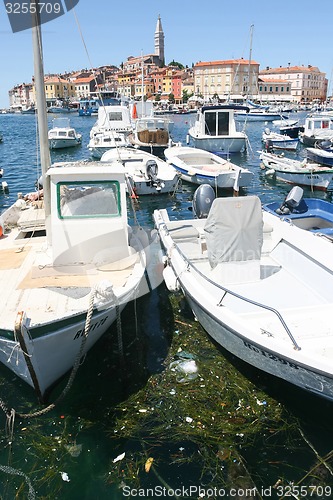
(225, 63)
(85, 79)
(55, 79)
(292, 69)
(273, 80)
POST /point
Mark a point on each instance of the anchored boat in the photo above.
(261, 287)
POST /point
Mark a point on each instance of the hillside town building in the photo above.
(147, 76)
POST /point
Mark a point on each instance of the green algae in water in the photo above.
(213, 428)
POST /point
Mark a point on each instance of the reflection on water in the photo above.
(134, 421)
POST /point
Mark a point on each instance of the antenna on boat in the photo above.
(143, 110)
(45, 158)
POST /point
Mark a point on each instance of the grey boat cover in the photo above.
(234, 230)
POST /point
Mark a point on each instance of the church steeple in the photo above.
(159, 41)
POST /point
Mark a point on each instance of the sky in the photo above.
(108, 32)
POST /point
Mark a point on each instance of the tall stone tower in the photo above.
(159, 41)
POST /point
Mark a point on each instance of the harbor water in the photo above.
(157, 409)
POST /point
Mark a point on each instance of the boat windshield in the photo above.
(115, 116)
(88, 199)
(217, 123)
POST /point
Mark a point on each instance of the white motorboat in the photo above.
(257, 115)
(62, 135)
(317, 128)
(321, 155)
(69, 263)
(151, 134)
(199, 166)
(273, 140)
(146, 174)
(289, 127)
(215, 130)
(103, 140)
(111, 129)
(304, 173)
(261, 287)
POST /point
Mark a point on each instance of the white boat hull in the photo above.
(286, 330)
(288, 144)
(219, 145)
(295, 172)
(139, 183)
(221, 181)
(63, 143)
(48, 361)
(316, 180)
(199, 166)
(257, 117)
(264, 359)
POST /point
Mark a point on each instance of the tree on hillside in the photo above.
(176, 64)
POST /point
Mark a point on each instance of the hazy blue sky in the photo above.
(284, 31)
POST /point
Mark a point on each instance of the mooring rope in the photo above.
(17, 472)
(106, 293)
(10, 414)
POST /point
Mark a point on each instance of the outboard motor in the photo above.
(151, 173)
(326, 145)
(202, 200)
(291, 201)
(151, 170)
(269, 146)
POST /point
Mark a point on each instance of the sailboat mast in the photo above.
(142, 88)
(250, 60)
(45, 158)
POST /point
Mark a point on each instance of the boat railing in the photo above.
(241, 297)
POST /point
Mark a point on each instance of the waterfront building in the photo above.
(21, 97)
(307, 83)
(273, 90)
(229, 79)
(168, 80)
(57, 88)
(84, 86)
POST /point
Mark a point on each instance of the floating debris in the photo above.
(119, 457)
(64, 476)
(148, 464)
(74, 449)
(214, 408)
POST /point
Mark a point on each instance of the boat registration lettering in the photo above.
(269, 355)
(92, 327)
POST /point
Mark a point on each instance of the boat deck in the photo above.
(305, 303)
(29, 280)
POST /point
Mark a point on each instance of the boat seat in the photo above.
(177, 230)
(234, 239)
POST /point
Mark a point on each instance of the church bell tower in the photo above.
(159, 41)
